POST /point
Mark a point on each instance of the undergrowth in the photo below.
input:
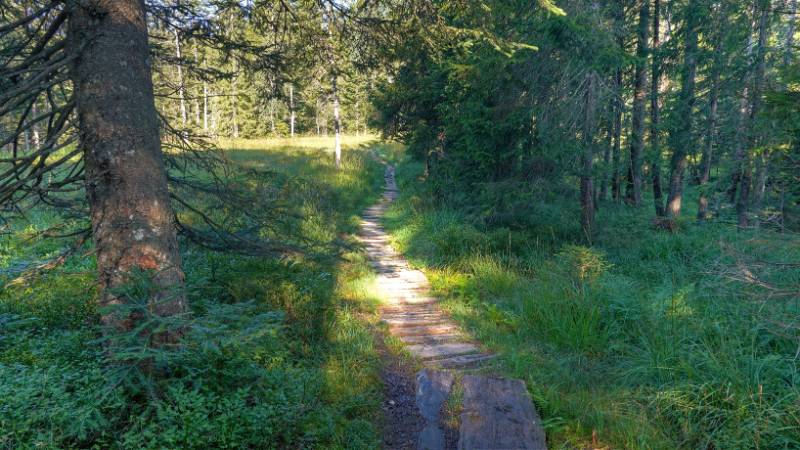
(276, 353)
(646, 339)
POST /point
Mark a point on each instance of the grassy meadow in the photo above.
(278, 353)
(645, 340)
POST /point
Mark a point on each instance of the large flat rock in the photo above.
(498, 414)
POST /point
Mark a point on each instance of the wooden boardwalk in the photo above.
(497, 413)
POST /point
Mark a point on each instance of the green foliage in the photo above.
(273, 354)
(650, 338)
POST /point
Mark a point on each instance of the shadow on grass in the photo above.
(311, 383)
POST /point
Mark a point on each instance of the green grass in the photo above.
(280, 353)
(643, 337)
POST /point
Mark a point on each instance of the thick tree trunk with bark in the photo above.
(639, 98)
(683, 127)
(133, 225)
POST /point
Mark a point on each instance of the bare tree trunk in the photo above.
(272, 115)
(762, 174)
(291, 110)
(234, 105)
(788, 53)
(205, 105)
(655, 114)
(708, 148)
(35, 128)
(195, 101)
(181, 86)
(616, 177)
(683, 127)
(639, 98)
(606, 164)
(205, 100)
(711, 126)
(334, 73)
(742, 125)
(587, 191)
(743, 203)
(132, 221)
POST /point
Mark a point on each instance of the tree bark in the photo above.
(788, 53)
(607, 149)
(181, 86)
(587, 191)
(708, 148)
(639, 99)
(655, 114)
(711, 127)
(291, 110)
(683, 127)
(743, 202)
(133, 225)
(334, 73)
(616, 177)
(234, 103)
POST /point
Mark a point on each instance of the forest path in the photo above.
(495, 413)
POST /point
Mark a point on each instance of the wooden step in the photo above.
(428, 351)
(498, 413)
(460, 361)
(415, 321)
(424, 330)
(432, 339)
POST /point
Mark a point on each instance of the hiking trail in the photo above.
(495, 413)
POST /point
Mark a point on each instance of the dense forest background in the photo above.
(605, 193)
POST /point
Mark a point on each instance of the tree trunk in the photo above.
(334, 73)
(195, 101)
(762, 174)
(205, 100)
(708, 148)
(655, 114)
(742, 125)
(291, 110)
(587, 191)
(711, 127)
(616, 178)
(133, 223)
(788, 53)
(607, 148)
(743, 203)
(234, 105)
(683, 127)
(180, 78)
(272, 116)
(639, 98)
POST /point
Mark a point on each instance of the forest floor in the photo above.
(279, 353)
(645, 339)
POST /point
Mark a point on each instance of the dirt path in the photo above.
(495, 413)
